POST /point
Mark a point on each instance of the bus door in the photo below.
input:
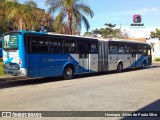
(33, 65)
(149, 54)
(93, 57)
(33, 57)
(37, 47)
(83, 49)
(113, 57)
(133, 56)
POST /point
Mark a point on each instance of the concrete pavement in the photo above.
(127, 91)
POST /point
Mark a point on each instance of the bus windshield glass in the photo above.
(11, 41)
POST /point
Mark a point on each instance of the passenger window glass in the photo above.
(121, 49)
(149, 52)
(70, 46)
(113, 49)
(55, 45)
(133, 49)
(144, 49)
(83, 47)
(39, 44)
(139, 49)
(127, 49)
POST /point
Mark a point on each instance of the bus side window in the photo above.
(39, 45)
(139, 49)
(149, 52)
(133, 49)
(70, 46)
(144, 49)
(127, 51)
(83, 47)
(112, 49)
(121, 49)
(55, 46)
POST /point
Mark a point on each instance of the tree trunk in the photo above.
(20, 24)
(70, 21)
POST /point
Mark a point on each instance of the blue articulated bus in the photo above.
(36, 54)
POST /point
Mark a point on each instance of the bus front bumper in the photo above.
(21, 72)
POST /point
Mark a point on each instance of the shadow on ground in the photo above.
(153, 107)
(17, 83)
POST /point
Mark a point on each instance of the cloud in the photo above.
(153, 10)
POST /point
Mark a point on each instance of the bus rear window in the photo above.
(11, 42)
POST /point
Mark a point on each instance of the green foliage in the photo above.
(16, 16)
(70, 15)
(110, 32)
(88, 33)
(1, 68)
(156, 33)
(31, 3)
(157, 59)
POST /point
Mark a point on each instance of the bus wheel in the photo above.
(120, 67)
(68, 72)
(143, 65)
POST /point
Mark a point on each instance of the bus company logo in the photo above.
(137, 18)
(6, 114)
(47, 60)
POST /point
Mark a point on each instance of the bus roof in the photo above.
(77, 36)
(123, 40)
(70, 35)
(49, 33)
(21, 31)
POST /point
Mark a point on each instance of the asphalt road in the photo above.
(128, 91)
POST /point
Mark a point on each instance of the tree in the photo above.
(26, 16)
(2, 17)
(71, 15)
(89, 34)
(18, 14)
(110, 25)
(109, 32)
(47, 21)
(155, 34)
(31, 3)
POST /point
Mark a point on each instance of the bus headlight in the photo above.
(11, 66)
(5, 66)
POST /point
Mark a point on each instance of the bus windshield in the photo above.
(11, 42)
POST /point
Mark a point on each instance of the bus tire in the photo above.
(119, 67)
(143, 65)
(68, 72)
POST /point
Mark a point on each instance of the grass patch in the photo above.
(1, 68)
(157, 59)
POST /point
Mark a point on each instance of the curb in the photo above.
(10, 77)
(155, 61)
(1, 60)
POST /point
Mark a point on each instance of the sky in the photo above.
(120, 12)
